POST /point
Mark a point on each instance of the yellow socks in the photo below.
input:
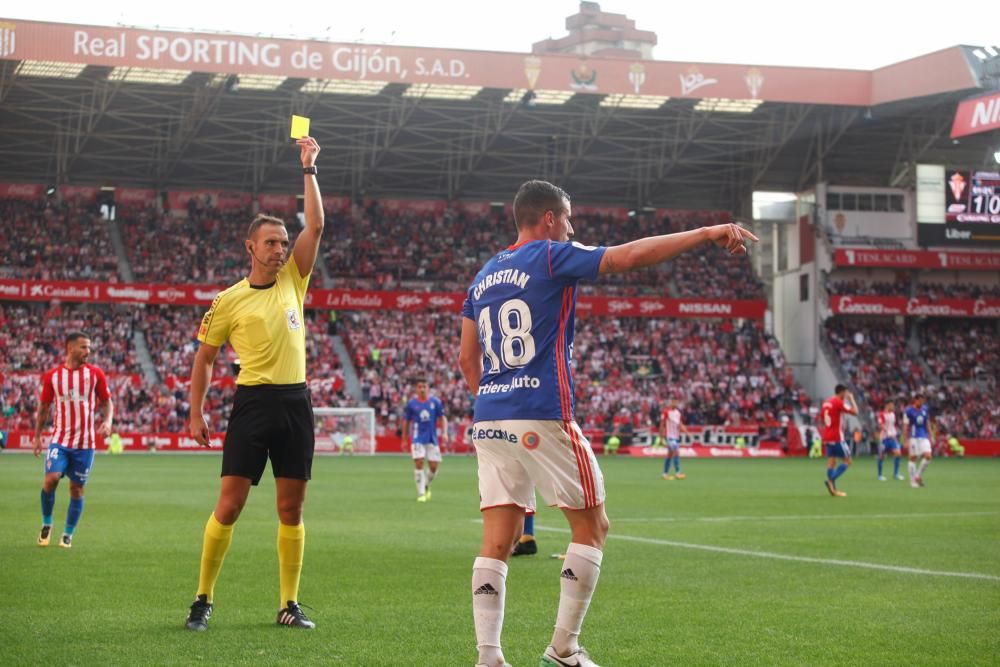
(213, 551)
(291, 544)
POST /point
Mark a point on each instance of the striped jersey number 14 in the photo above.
(517, 347)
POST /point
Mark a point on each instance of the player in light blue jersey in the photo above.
(423, 420)
(516, 356)
(919, 431)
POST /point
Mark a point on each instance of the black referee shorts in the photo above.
(270, 421)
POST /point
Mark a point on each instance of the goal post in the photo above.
(345, 430)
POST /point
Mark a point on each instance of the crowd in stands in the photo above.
(961, 349)
(444, 252)
(46, 240)
(391, 349)
(866, 288)
(968, 411)
(626, 369)
(201, 245)
(905, 288)
(882, 365)
(721, 373)
(953, 291)
(34, 334)
(875, 355)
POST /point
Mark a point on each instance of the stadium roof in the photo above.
(116, 106)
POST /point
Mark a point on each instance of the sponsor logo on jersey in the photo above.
(530, 440)
(493, 434)
(526, 382)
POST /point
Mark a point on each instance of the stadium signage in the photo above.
(29, 191)
(195, 295)
(700, 451)
(981, 114)
(244, 54)
(899, 305)
(130, 293)
(917, 259)
(702, 308)
(135, 196)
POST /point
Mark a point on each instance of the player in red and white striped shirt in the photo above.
(78, 390)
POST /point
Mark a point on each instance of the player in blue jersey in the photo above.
(516, 356)
(423, 420)
(919, 432)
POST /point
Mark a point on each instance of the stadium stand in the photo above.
(724, 372)
(721, 373)
(200, 245)
(47, 240)
(389, 349)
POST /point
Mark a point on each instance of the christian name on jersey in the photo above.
(505, 277)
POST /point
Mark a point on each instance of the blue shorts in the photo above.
(889, 444)
(838, 450)
(69, 462)
(673, 444)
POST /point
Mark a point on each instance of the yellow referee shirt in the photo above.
(264, 325)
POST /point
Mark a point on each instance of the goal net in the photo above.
(345, 430)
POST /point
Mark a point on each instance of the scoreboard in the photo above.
(972, 196)
(957, 207)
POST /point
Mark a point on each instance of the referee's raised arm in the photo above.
(307, 244)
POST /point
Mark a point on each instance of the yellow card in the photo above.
(300, 127)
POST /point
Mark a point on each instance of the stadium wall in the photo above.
(898, 225)
(794, 297)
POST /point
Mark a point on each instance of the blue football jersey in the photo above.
(425, 415)
(523, 302)
(917, 418)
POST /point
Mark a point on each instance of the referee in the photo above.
(261, 317)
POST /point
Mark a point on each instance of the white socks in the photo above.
(913, 470)
(418, 477)
(429, 476)
(489, 587)
(577, 582)
(923, 466)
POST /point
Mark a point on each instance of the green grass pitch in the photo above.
(743, 563)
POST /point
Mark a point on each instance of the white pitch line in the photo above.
(798, 517)
(776, 556)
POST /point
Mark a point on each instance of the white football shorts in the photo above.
(919, 446)
(518, 456)
(428, 451)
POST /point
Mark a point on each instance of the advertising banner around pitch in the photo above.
(917, 259)
(325, 299)
(916, 307)
(25, 191)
